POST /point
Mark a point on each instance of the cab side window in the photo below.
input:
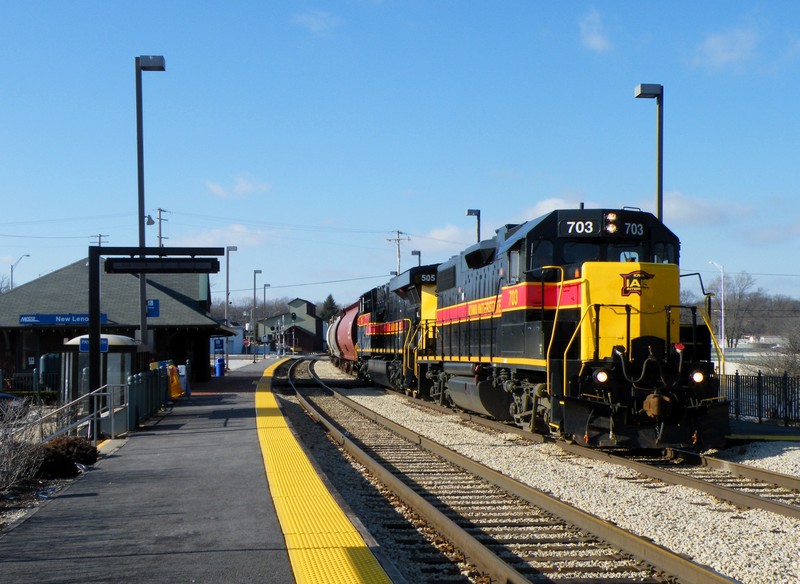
(541, 254)
(513, 265)
(664, 253)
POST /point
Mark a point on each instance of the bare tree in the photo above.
(784, 359)
(19, 454)
(740, 301)
(239, 310)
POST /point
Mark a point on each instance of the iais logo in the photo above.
(634, 282)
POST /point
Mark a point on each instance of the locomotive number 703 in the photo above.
(580, 227)
(634, 229)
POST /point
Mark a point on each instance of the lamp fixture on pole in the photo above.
(416, 252)
(653, 90)
(14, 265)
(477, 214)
(143, 63)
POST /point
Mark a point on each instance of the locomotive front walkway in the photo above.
(185, 499)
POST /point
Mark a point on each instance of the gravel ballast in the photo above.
(752, 546)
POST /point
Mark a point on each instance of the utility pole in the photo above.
(100, 237)
(397, 239)
(160, 238)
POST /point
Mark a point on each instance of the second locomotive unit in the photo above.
(569, 324)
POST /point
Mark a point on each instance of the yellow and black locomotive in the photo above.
(569, 324)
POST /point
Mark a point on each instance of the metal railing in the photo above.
(770, 398)
(110, 410)
(33, 381)
(83, 414)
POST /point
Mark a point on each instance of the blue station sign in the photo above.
(59, 319)
(84, 347)
(153, 308)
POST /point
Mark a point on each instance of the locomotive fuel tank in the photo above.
(480, 397)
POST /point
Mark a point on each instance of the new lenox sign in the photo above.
(61, 319)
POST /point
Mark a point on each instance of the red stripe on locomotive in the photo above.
(521, 296)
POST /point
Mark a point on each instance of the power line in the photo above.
(291, 226)
(727, 273)
(47, 236)
(272, 287)
(63, 219)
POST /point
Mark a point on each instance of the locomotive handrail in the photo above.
(407, 344)
(720, 352)
(555, 320)
(572, 339)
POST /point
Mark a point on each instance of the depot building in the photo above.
(39, 317)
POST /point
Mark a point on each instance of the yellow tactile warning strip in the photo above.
(323, 545)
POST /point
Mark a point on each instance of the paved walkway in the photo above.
(185, 499)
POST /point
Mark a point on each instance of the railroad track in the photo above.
(510, 531)
(741, 485)
(738, 484)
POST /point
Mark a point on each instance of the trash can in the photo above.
(220, 366)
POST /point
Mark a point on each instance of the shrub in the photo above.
(19, 456)
(60, 455)
(45, 396)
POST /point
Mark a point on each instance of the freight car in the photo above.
(569, 324)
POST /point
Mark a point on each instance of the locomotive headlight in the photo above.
(698, 376)
(601, 376)
(611, 222)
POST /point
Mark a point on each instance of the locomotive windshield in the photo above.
(579, 252)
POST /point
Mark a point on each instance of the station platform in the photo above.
(748, 430)
(216, 490)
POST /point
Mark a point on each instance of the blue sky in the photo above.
(306, 133)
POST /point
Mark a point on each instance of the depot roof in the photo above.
(183, 299)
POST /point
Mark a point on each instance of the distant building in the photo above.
(299, 329)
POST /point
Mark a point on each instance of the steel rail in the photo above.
(639, 547)
(476, 552)
(745, 471)
(732, 496)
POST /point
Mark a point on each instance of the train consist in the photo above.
(569, 324)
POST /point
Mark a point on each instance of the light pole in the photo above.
(143, 63)
(265, 317)
(253, 317)
(228, 251)
(14, 265)
(416, 252)
(721, 269)
(653, 90)
(477, 214)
